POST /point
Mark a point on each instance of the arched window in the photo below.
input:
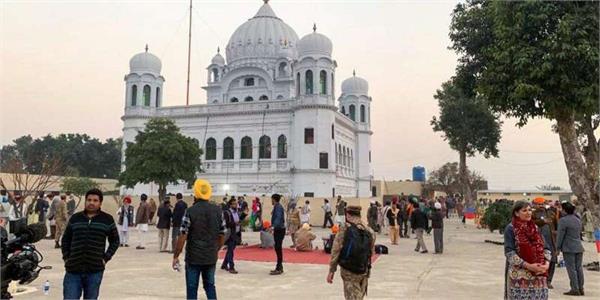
(298, 84)
(309, 82)
(228, 148)
(246, 151)
(211, 149)
(134, 95)
(351, 159)
(282, 69)
(214, 75)
(157, 97)
(234, 100)
(263, 97)
(323, 82)
(362, 113)
(147, 91)
(352, 112)
(282, 147)
(264, 147)
(339, 150)
(337, 155)
(279, 97)
(248, 99)
(343, 110)
(345, 156)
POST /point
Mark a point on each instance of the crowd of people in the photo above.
(538, 234)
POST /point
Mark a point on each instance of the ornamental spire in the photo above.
(218, 49)
(314, 27)
(146, 48)
(354, 72)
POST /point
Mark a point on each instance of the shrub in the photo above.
(497, 216)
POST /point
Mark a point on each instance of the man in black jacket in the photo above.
(178, 212)
(84, 248)
(419, 222)
(163, 224)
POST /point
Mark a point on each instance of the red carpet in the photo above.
(255, 253)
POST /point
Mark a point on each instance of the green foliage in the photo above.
(80, 154)
(530, 58)
(78, 185)
(498, 215)
(160, 154)
(446, 179)
(466, 121)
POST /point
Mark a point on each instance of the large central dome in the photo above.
(263, 36)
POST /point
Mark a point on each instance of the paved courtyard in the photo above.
(468, 269)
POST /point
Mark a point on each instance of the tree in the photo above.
(548, 187)
(81, 155)
(539, 59)
(78, 186)
(447, 179)
(467, 124)
(21, 179)
(161, 154)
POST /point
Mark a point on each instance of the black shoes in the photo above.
(140, 248)
(276, 272)
(56, 245)
(572, 293)
(424, 251)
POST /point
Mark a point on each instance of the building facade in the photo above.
(271, 123)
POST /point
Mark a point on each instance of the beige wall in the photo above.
(397, 187)
(105, 184)
(519, 196)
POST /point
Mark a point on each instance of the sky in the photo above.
(62, 65)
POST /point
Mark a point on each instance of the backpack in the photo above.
(355, 255)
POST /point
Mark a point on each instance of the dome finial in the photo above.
(354, 72)
(146, 48)
(314, 27)
(218, 49)
(266, 1)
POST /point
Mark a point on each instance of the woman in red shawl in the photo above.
(527, 258)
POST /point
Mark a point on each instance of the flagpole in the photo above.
(187, 92)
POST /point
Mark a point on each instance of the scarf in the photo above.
(530, 246)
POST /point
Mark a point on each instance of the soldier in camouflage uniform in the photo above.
(60, 216)
(355, 285)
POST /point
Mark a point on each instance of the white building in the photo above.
(271, 123)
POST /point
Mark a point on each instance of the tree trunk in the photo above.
(162, 192)
(581, 181)
(464, 179)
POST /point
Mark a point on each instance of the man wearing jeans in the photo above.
(202, 228)
(84, 248)
(278, 223)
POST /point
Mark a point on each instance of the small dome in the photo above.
(218, 59)
(315, 44)
(145, 62)
(355, 85)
